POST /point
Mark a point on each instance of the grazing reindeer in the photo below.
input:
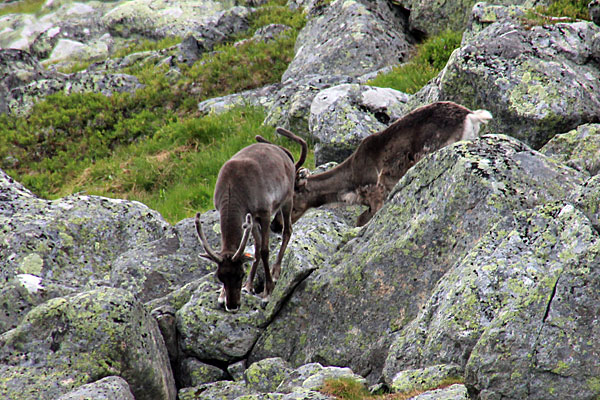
(255, 183)
(368, 175)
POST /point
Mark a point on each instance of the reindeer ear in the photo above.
(208, 257)
(301, 179)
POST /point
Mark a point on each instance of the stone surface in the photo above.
(74, 340)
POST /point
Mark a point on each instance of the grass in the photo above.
(22, 7)
(430, 58)
(151, 146)
(350, 389)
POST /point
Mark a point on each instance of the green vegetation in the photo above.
(22, 7)
(430, 58)
(557, 11)
(151, 146)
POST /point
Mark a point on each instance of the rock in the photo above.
(345, 312)
(484, 14)
(154, 269)
(266, 375)
(425, 378)
(430, 18)
(588, 199)
(110, 388)
(542, 342)
(579, 148)
(24, 82)
(262, 97)
(454, 392)
(311, 376)
(70, 341)
(291, 106)
(535, 81)
(68, 243)
(341, 116)
(196, 373)
(366, 38)
(157, 19)
(222, 390)
(594, 8)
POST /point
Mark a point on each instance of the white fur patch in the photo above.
(473, 122)
(30, 282)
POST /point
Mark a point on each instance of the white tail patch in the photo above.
(473, 122)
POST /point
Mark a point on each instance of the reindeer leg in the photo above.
(249, 286)
(286, 213)
(221, 299)
(264, 255)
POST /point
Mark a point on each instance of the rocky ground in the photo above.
(483, 266)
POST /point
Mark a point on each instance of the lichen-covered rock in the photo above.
(542, 342)
(291, 107)
(266, 375)
(345, 312)
(579, 148)
(154, 269)
(222, 390)
(310, 377)
(110, 388)
(195, 373)
(453, 392)
(484, 14)
(594, 8)
(433, 17)
(74, 340)
(68, 244)
(343, 115)
(160, 18)
(262, 97)
(535, 81)
(425, 378)
(366, 38)
(588, 199)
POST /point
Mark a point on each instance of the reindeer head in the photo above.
(230, 266)
(300, 194)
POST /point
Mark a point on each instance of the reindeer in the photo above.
(368, 175)
(255, 183)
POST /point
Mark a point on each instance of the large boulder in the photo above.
(110, 388)
(64, 245)
(342, 116)
(346, 311)
(432, 17)
(292, 102)
(74, 340)
(367, 37)
(161, 18)
(536, 81)
(540, 338)
(579, 148)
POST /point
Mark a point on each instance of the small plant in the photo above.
(430, 58)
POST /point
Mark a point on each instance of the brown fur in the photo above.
(255, 183)
(381, 159)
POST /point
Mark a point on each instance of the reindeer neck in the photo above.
(327, 186)
(231, 219)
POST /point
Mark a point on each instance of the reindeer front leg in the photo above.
(249, 286)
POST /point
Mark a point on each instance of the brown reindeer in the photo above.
(368, 175)
(255, 183)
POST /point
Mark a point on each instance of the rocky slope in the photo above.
(483, 266)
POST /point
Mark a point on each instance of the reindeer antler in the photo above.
(247, 227)
(213, 255)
